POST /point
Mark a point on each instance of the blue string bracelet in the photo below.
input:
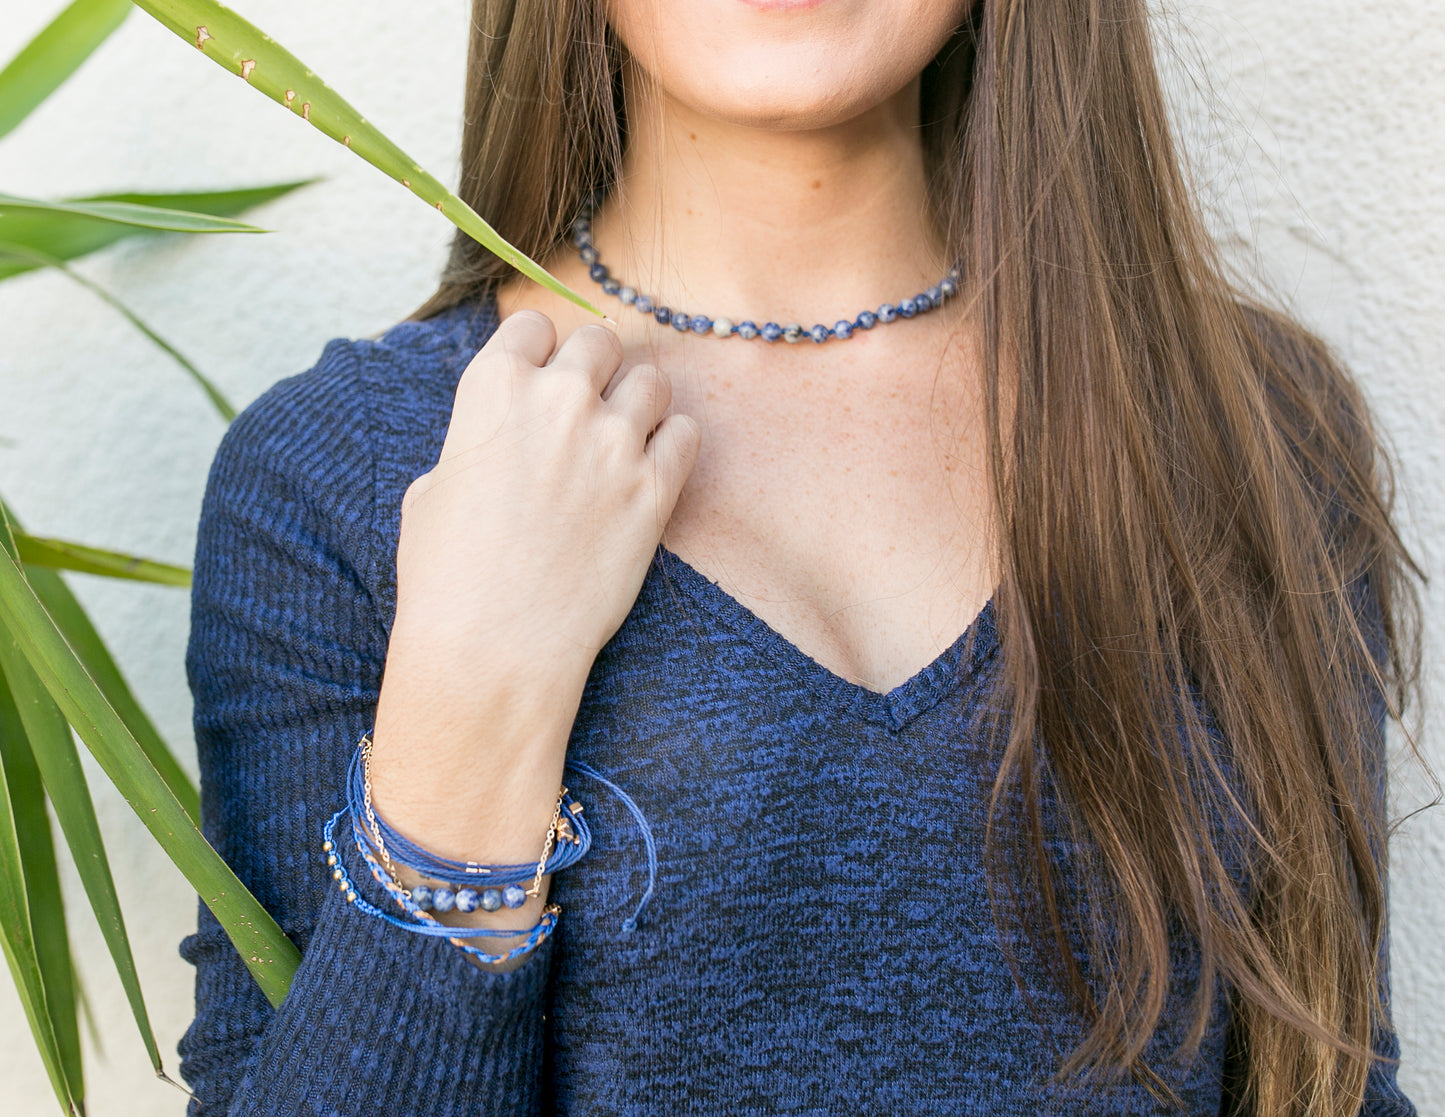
(491, 886)
(424, 924)
(720, 327)
(460, 878)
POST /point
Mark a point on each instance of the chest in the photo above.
(847, 507)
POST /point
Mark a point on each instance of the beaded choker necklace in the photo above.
(747, 330)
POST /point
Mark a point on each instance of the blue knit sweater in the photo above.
(820, 939)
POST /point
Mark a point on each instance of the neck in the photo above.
(719, 218)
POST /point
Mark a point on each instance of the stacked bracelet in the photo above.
(468, 885)
(424, 924)
(568, 839)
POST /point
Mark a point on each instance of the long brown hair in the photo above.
(1204, 607)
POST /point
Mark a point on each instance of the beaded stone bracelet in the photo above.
(423, 923)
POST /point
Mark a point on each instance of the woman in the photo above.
(975, 706)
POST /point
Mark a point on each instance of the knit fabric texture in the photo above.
(820, 940)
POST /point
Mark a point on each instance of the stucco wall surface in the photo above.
(1313, 127)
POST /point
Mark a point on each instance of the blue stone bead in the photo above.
(949, 287)
(443, 899)
(843, 329)
(598, 272)
(820, 333)
(887, 312)
(514, 895)
(491, 899)
(923, 302)
(681, 322)
(793, 333)
(610, 286)
(747, 329)
(907, 308)
(421, 897)
(467, 899)
(935, 294)
(771, 331)
(866, 320)
(701, 323)
(643, 304)
(625, 295)
(663, 315)
(588, 254)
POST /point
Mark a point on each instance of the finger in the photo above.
(643, 394)
(527, 335)
(593, 349)
(673, 449)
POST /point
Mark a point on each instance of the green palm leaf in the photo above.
(44, 901)
(244, 49)
(54, 754)
(54, 54)
(63, 608)
(74, 227)
(18, 938)
(58, 554)
(271, 957)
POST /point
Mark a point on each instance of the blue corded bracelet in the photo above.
(469, 885)
(425, 899)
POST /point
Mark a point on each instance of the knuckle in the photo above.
(524, 316)
(414, 492)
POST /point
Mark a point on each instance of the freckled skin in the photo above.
(753, 166)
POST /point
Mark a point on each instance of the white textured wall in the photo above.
(1320, 152)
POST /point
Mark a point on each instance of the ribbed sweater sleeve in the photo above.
(285, 659)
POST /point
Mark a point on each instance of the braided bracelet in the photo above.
(425, 924)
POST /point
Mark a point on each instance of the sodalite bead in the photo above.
(663, 315)
(421, 897)
(923, 302)
(467, 899)
(681, 322)
(843, 329)
(701, 324)
(722, 327)
(792, 333)
(625, 295)
(598, 272)
(588, 254)
(907, 308)
(935, 294)
(491, 899)
(820, 333)
(643, 304)
(949, 287)
(771, 331)
(514, 895)
(443, 899)
(866, 320)
(610, 286)
(887, 312)
(747, 329)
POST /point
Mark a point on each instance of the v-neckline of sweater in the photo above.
(893, 709)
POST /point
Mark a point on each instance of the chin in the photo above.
(783, 64)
